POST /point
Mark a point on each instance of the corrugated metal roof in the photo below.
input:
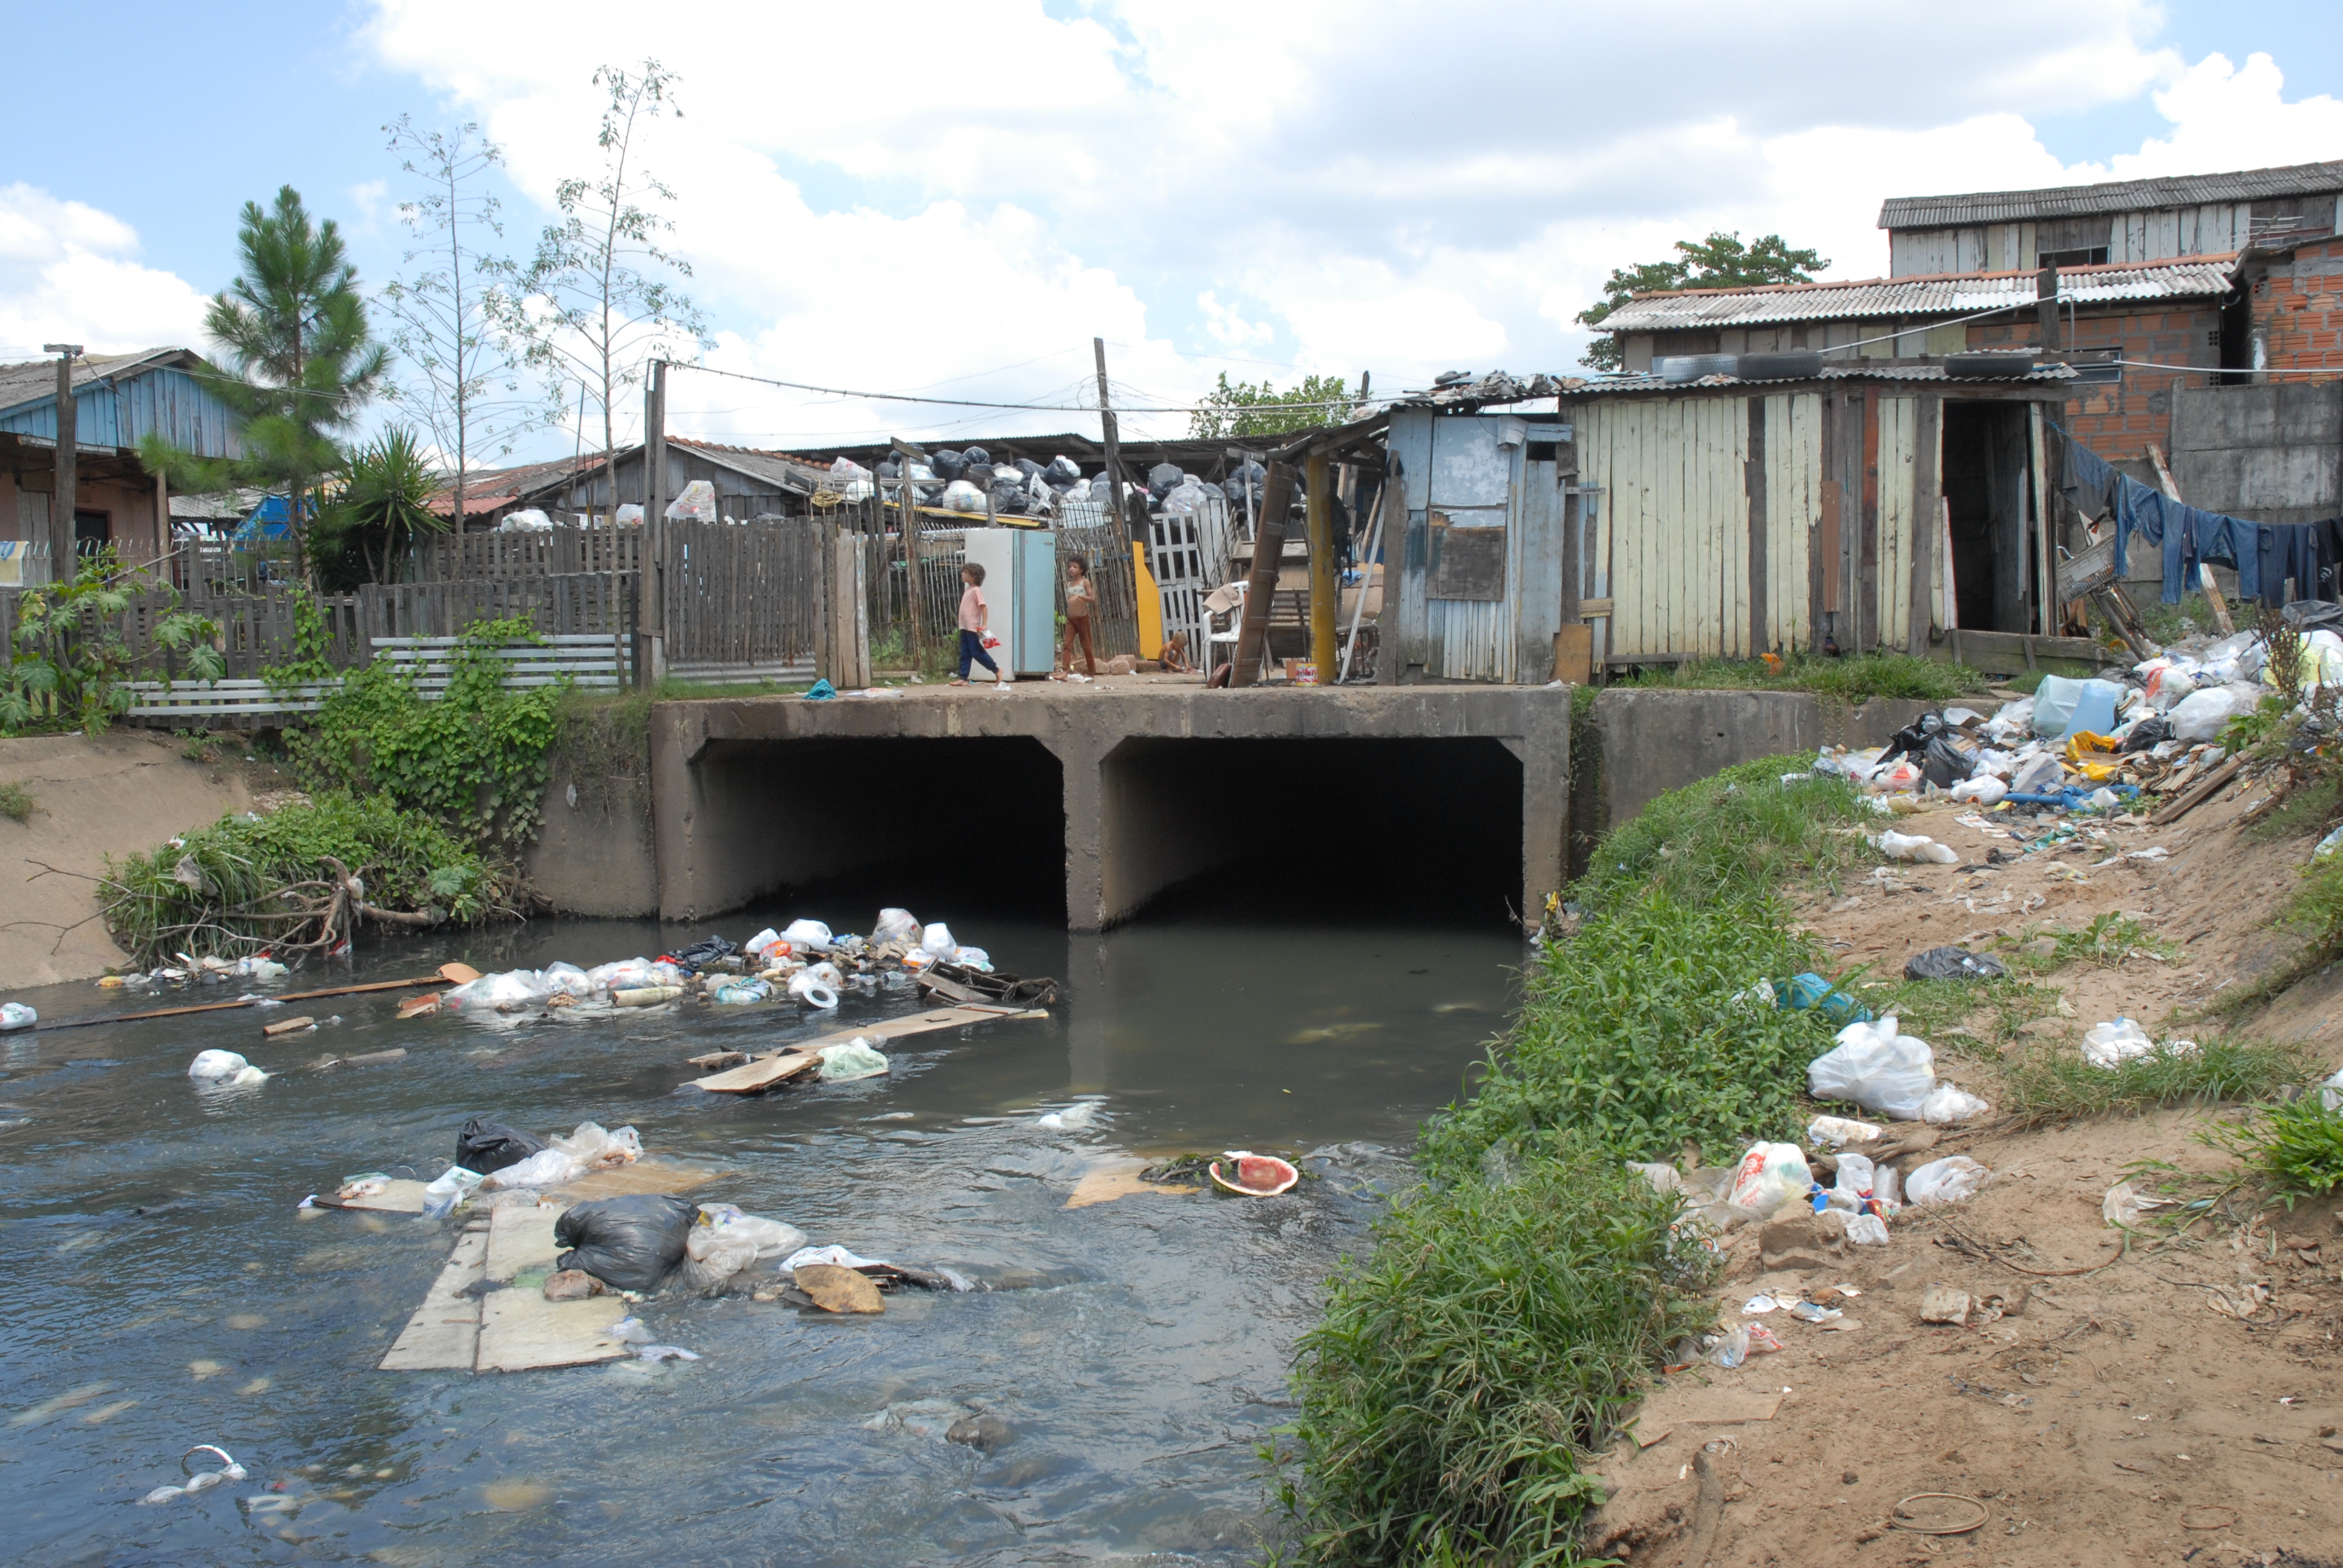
(1948, 294)
(35, 380)
(2112, 196)
(1848, 370)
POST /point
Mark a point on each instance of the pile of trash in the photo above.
(258, 969)
(807, 966)
(970, 481)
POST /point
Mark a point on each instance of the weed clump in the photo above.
(16, 803)
(1492, 1338)
(2295, 1147)
(1854, 679)
(2053, 1082)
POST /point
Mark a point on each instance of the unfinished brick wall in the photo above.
(2298, 309)
(2118, 421)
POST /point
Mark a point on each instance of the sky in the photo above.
(954, 200)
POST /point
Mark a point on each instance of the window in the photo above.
(2082, 255)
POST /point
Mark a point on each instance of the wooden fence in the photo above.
(561, 550)
(744, 594)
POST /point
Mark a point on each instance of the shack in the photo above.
(1876, 505)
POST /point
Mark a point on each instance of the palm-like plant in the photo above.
(382, 509)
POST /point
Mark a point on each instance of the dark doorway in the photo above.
(93, 531)
(1985, 479)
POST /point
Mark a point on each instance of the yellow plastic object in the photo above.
(1151, 604)
(2082, 743)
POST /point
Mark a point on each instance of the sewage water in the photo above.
(166, 1290)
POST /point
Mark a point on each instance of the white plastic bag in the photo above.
(763, 942)
(597, 1150)
(1867, 1231)
(566, 979)
(1983, 788)
(622, 974)
(712, 1257)
(1887, 1186)
(937, 940)
(1948, 1104)
(896, 926)
(1853, 1174)
(1877, 1067)
(2330, 1093)
(1770, 1175)
(1950, 1180)
(546, 1168)
(514, 988)
(212, 1066)
(17, 1015)
(959, 495)
(2115, 1042)
(1915, 847)
(771, 1238)
(696, 504)
(855, 1058)
(808, 935)
(2203, 715)
(449, 1187)
(1839, 1130)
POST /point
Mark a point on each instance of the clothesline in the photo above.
(2264, 556)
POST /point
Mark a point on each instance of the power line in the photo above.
(973, 402)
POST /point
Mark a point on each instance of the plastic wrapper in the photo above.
(1949, 1102)
(697, 503)
(2113, 1043)
(1877, 1067)
(17, 1015)
(1867, 1231)
(855, 1058)
(1770, 1175)
(490, 1146)
(599, 1150)
(629, 1244)
(937, 940)
(2202, 715)
(213, 1066)
(1982, 787)
(546, 1168)
(808, 935)
(1952, 963)
(1952, 1180)
(896, 926)
(1915, 847)
(566, 979)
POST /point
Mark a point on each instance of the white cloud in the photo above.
(69, 274)
(965, 194)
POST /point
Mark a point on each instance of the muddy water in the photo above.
(166, 1292)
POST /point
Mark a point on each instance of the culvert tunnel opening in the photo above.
(1322, 830)
(974, 825)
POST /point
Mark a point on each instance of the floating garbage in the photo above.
(629, 1244)
(1253, 1175)
(199, 1480)
(855, 1058)
(17, 1015)
(223, 1067)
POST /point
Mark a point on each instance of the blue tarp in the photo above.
(271, 519)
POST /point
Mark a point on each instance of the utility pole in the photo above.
(1113, 441)
(61, 503)
(650, 598)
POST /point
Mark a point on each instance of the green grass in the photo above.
(2111, 939)
(2168, 623)
(1852, 679)
(1992, 1010)
(2295, 1147)
(1461, 1371)
(1741, 833)
(16, 802)
(2030, 681)
(2053, 1082)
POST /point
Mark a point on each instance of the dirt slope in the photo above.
(120, 792)
(2117, 1417)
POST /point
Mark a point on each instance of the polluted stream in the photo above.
(169, 1290)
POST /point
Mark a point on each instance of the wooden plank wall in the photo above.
(1675, 527)
(1794, 516)
(742, 593)
(563, 549)
(1889, 620)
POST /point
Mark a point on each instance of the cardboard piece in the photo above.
(444, 1334)
(1694, 1406)
(400, 1197)
(1119, 1179)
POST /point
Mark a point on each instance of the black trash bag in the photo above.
(980, 475)
(1952, 963)
(948, 465)
(485, 1147)
(1009, 498)
(977, 455)
(890, 469)
(2147, 732)
(1946, 762)
(703, 952)
(1028, 467)
(629, 1244)
(1164, 478)
(1062, 467)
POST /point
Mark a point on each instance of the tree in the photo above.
(302, 359)
(593, 307)
(462, 379)
(382, 510)
(1720, 261)
(1237, 408)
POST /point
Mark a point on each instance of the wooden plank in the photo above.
(2046, 611)
(760, 1074)
(653, 1176)
(1760, 530)
(400, 1197)
(444, 1334)
(521, 1331)
(1922, 521)
(521, 1237)
(745, 1079)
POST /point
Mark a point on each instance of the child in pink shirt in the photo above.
(973, 613)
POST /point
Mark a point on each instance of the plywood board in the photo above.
(521, 1330)
(643, 1176)
(444, 1334)
(520, 1239)
(767, 1070)
(401, 1197)
(1119, 1179)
